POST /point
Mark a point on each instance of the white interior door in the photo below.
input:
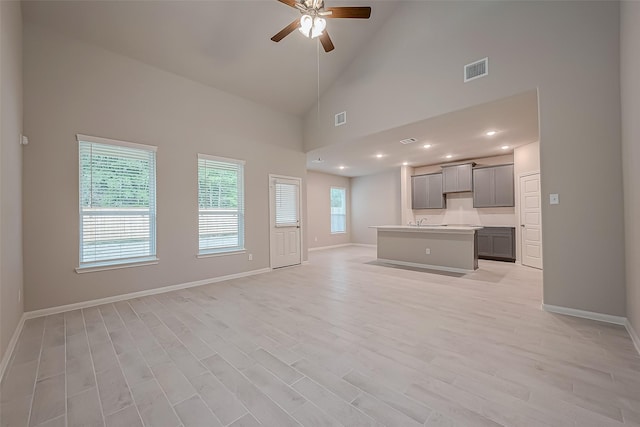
(531, 220)
(284, 196)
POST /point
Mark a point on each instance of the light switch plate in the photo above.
(554, 199)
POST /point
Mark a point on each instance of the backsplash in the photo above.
(460, 210)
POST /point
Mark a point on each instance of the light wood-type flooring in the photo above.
(340, 341)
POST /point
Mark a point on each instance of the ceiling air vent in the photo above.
(408, 141)
(341, 118)
(477, 69)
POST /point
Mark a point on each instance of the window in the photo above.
(286, 204)
(220, 204)
(338, 210)
(117, 202)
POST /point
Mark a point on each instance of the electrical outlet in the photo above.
(554, 199)
(250, 257)
(427, 251)
(315, 239)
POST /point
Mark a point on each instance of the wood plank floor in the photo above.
(341, 341)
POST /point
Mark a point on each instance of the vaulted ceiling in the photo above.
(226, 44)
(223, 44)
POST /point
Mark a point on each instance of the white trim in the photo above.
(6, 357)
(155, 291)
(99, 140)
(634, 335)
(218, 254)
(104, 267)
(321, 248)
(220, 159)
(607, 318)
(427, 266)
(364, 245)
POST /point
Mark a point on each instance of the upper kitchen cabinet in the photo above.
(457, 178)
(426, 192)
(493, 186)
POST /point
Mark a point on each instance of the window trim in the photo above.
(345, 210)
(88, 267)
(217, 252)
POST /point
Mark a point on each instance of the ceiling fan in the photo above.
(312, 23)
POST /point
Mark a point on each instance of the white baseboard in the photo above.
(634, 335)
(11, 347)
(155, 291)
(426, 266)
(607, 318)
(364, 245)
(322, 248)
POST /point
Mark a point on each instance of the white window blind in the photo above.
(117, 202)
(286, 205)
(220, 204)
(338, 210)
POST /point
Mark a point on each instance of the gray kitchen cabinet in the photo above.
(426, 192)
(497, 243)
(457, 178)
(493, 186)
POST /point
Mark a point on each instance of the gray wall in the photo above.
(319, 209)
(412, 70)
(630, 56)
(375, 200)
(10, 170)
(72, 87)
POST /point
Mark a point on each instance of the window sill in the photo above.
(217, 254)
(103, 267)
(338, 232)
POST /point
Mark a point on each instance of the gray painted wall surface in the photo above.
(630, 56)
(72, 87)
(319, 209)
(11, 278)
(412, 70)
(375, 200)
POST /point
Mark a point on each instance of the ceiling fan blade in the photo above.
(349, 12)
(327, 44)
(286, 31)
(291, 3)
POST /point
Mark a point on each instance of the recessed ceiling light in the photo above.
(340, 167)
(505, 147)
(491, 132)
(405, 163)
(448, 156)
(379, 156)
(427, 145)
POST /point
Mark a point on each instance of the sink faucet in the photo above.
(422, 219)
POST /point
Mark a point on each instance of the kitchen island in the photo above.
(452, 248)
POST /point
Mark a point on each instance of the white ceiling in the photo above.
(226, 44)
(221, 43)
(461, 134)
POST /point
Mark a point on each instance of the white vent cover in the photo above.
(341, 118)
(477, 69)
(408, 141)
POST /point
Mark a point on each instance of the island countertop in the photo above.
(457, 229)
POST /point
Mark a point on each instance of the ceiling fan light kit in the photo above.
(313, 23)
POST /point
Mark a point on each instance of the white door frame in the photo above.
(272, 214)
(519, 239)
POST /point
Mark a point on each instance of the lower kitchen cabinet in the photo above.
(497, 243)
